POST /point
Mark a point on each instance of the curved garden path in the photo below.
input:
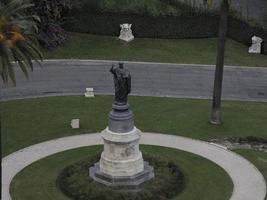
(71, 77)
(248, 182)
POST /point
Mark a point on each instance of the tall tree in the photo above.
(217, 90)
(18, 41)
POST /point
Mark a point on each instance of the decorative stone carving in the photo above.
(75, 123)
(89, 92)
(256, 45)
(121, 155)
(126, 32)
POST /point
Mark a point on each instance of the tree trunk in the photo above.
(217, 89)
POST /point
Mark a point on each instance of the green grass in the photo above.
(204, 179)
(27, 122)
(258, 158)
(196, 51)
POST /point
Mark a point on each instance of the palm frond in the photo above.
(20, 43)
(15, 7)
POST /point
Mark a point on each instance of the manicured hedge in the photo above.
(243, 32)
(89, 19)
(74, 181)
(146, 26)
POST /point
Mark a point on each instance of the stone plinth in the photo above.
(121, 155)
(126, 182)
(121, 119)
(121, 163)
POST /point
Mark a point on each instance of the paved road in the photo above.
(248, 182)
(184, 81)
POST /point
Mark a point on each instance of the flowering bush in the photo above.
(51, 13)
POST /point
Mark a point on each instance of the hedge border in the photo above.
(183, 27)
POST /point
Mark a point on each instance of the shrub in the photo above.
(75, 182)
(52, 14)
(155, 22)
(242, 32)
(17, 39)
(145, 26)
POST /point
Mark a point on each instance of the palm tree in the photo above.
(217, 90)
(18, 43)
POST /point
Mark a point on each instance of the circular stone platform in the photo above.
(248, 182)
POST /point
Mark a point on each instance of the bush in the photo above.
(142, 7)
(75, 182)
(145, 26)
(241, 31)
(51, 13)
(155, 22)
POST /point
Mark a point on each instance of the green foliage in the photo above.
(85, 46)
(168, 182)
(249, 140)
(203, 179)
(27, 122)
(143, 7)
(17, 39)
(157, 19)
(52, 15)
(152, 7)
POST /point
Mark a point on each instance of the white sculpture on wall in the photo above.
(256, 45)
(126, 32)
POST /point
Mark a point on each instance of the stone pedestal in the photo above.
(121, 162)
(120, 119)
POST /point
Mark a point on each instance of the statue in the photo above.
(121, 164)
(122, 81)
(256, 45)
(126, 32)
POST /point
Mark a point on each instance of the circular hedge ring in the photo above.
(74, 181)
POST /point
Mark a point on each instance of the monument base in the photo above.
(126, 182)
(121, 163)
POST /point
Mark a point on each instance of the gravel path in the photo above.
(71, 77)
(248, 182)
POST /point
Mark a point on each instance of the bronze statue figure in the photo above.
(122, 81)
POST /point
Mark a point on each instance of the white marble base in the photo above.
(121, 155)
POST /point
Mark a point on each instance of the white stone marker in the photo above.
(126, 32)
(256, 45)
(89, 92)
(75, 123)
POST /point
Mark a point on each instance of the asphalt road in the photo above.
(71, 77)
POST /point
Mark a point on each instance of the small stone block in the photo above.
(89, 92)
(75, 123)
(89, 89)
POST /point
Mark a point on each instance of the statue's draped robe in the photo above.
(122, 80)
